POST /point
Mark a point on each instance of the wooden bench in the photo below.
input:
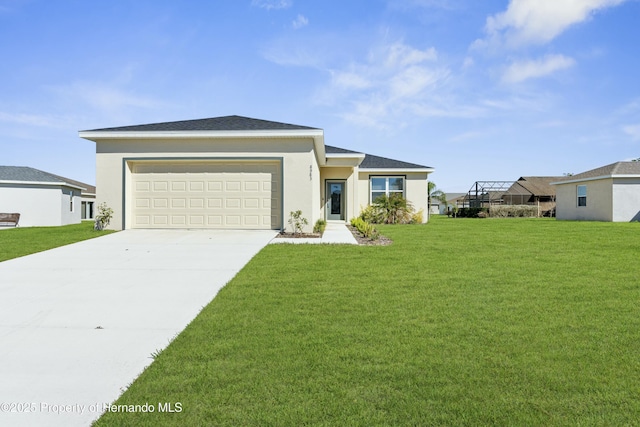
(9, 219)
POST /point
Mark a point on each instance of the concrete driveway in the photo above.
(79, 323)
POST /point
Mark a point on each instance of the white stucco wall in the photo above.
(626, 199)
(301, 187)
(40, 205)
(599, 201)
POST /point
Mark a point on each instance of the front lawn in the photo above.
(459, 322)
(20, 241)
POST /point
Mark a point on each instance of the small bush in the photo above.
(103, 218)
(365, 228)
(513, 211)
(320, 225)
(418, 217)
(297, 221)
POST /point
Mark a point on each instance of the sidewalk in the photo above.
(336, 232)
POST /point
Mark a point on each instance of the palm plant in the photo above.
(393, 209)
(436, 194)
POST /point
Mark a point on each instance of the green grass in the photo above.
(20, 241)
(459, 322)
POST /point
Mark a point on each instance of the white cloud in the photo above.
(539, 21)
(104, 97)
(32, 120)
(524, 70)
(299, 22)
(393, 80)
(272, 4)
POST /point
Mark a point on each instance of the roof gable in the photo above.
(376, 162)
(226, 123)
(608, 171)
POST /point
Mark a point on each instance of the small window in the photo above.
(71, 201)
(381, 186)
(582, 195)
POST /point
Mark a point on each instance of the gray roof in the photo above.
(375, 162)
(27, 174)
(226, 123)
(618, 168)
(337, 150)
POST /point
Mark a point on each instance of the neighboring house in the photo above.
(41, 198)
(608, 193)
(87, 198)
(453, 199)
(533, 190)
(238, 172)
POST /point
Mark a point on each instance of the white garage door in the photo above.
(217, 194)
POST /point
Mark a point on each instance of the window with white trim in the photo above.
(386, 185)
(71, 201)
(582, 195)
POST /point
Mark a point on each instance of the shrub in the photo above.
(365, 228)
(371, 214)
(394, 209)
(103, 218)
(514, 211)
(321, 224)
(418, 217)
(297, 221)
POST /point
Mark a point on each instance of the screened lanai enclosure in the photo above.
(528, 196)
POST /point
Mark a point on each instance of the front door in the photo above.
(335, 201)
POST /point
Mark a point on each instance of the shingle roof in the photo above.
(376, 162)
(337, 150)
(27, 174)
(24, 173)
(226, 123)
(536, 185)
(618, 168)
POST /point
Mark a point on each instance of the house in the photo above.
(533, 190)
(42, 198)
(453, 199)
(239, 172)
(608, 193)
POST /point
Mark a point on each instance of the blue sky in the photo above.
(479, 90)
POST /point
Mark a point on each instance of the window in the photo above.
(71, 201)
(386, 185)
(582, 195)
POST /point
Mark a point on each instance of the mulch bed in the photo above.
(287, 235)
(380, 241)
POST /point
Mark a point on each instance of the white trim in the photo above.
(52, 184)
(596, 178)
(346, 155)
(92, 135)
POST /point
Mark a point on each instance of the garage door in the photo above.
(206, 195)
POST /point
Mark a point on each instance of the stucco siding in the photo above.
(39, 205)
(599, 201)
(300, 170)
(626, 199)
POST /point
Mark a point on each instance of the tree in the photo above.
(436, 194)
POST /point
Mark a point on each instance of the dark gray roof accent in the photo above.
(329, 149)
(618, 168)
(27, 174)
(226, 123)
(375, 162)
